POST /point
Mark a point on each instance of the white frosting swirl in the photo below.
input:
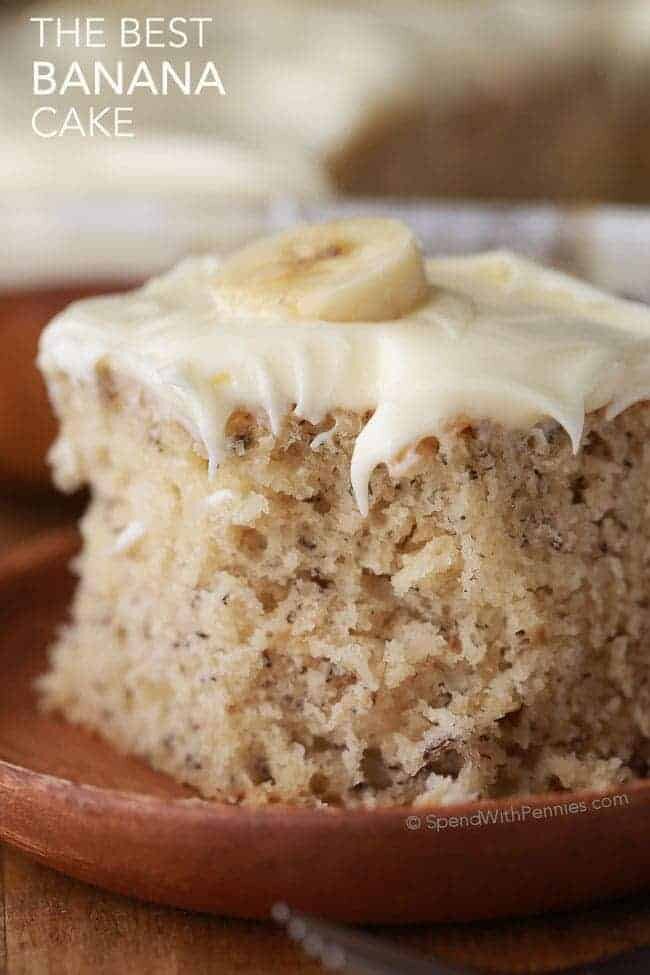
(500, 338)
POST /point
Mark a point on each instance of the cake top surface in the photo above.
(348, 315)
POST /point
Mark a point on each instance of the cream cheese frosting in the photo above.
(497, 337)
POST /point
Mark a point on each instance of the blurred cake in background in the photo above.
(301, 83)
(479, 98)
(519, 101)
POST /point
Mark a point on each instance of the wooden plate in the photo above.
(68, 800)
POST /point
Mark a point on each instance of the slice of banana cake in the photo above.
(364, 528)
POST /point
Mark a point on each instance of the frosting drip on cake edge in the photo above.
(498, 338)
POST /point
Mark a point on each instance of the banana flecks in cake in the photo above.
(128, 538)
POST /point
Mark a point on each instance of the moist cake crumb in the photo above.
(481, 633)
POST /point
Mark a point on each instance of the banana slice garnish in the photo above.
(361, 270)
